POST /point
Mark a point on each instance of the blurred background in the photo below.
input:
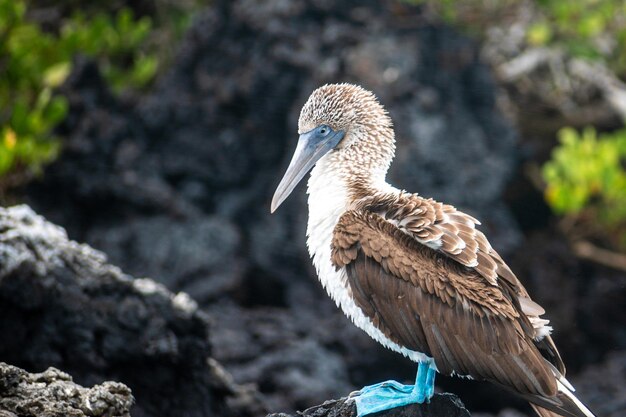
(156, 131)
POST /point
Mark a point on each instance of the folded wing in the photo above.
(425, 301)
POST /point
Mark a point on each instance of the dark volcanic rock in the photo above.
(441, 405)
(214, 136)
(603, 387)
(61, 304)
(53, 394)
(179, 253)
(293, 365)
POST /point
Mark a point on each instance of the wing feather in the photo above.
(454, 233)
(421, 299)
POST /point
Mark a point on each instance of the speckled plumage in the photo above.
(415, 274)
(368, 146)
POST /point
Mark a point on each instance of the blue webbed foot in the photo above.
(392, 394)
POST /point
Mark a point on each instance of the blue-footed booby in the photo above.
(416, 275)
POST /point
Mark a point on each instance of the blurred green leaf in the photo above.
(144, 70)
(539, 34)
(587, 173)
(56, 74)
(35, 62)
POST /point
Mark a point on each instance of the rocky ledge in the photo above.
(441, 405)
(63, 305)
(53, 394)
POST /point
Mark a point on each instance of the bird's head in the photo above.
(345, 122)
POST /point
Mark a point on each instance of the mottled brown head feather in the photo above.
(368, 145)
(343, 107)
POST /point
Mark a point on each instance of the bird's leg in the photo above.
(392, 394)
(424, 382)
(430, 383)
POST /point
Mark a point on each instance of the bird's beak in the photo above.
(311, 147)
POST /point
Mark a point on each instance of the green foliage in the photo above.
(587, 175)
(113, 41)
(34, 62)
(593, 29)
(582, 26)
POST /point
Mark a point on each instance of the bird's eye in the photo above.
(324, 130)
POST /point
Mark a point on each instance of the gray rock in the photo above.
(603, 387)
(441, 405)
(213, 141)
(64, 305)
(52, 393)
(274, 350)
(199, 256)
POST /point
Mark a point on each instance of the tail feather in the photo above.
(564, 404)
(544, 412)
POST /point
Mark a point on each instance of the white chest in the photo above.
(328, 198)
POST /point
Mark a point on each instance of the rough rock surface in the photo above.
(441, 405)
(63, 305)
(603, 387)
(52, 393)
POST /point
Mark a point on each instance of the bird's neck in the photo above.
(334, 187)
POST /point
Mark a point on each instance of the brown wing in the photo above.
(421, 299)
(453, 233)
(445, 229)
